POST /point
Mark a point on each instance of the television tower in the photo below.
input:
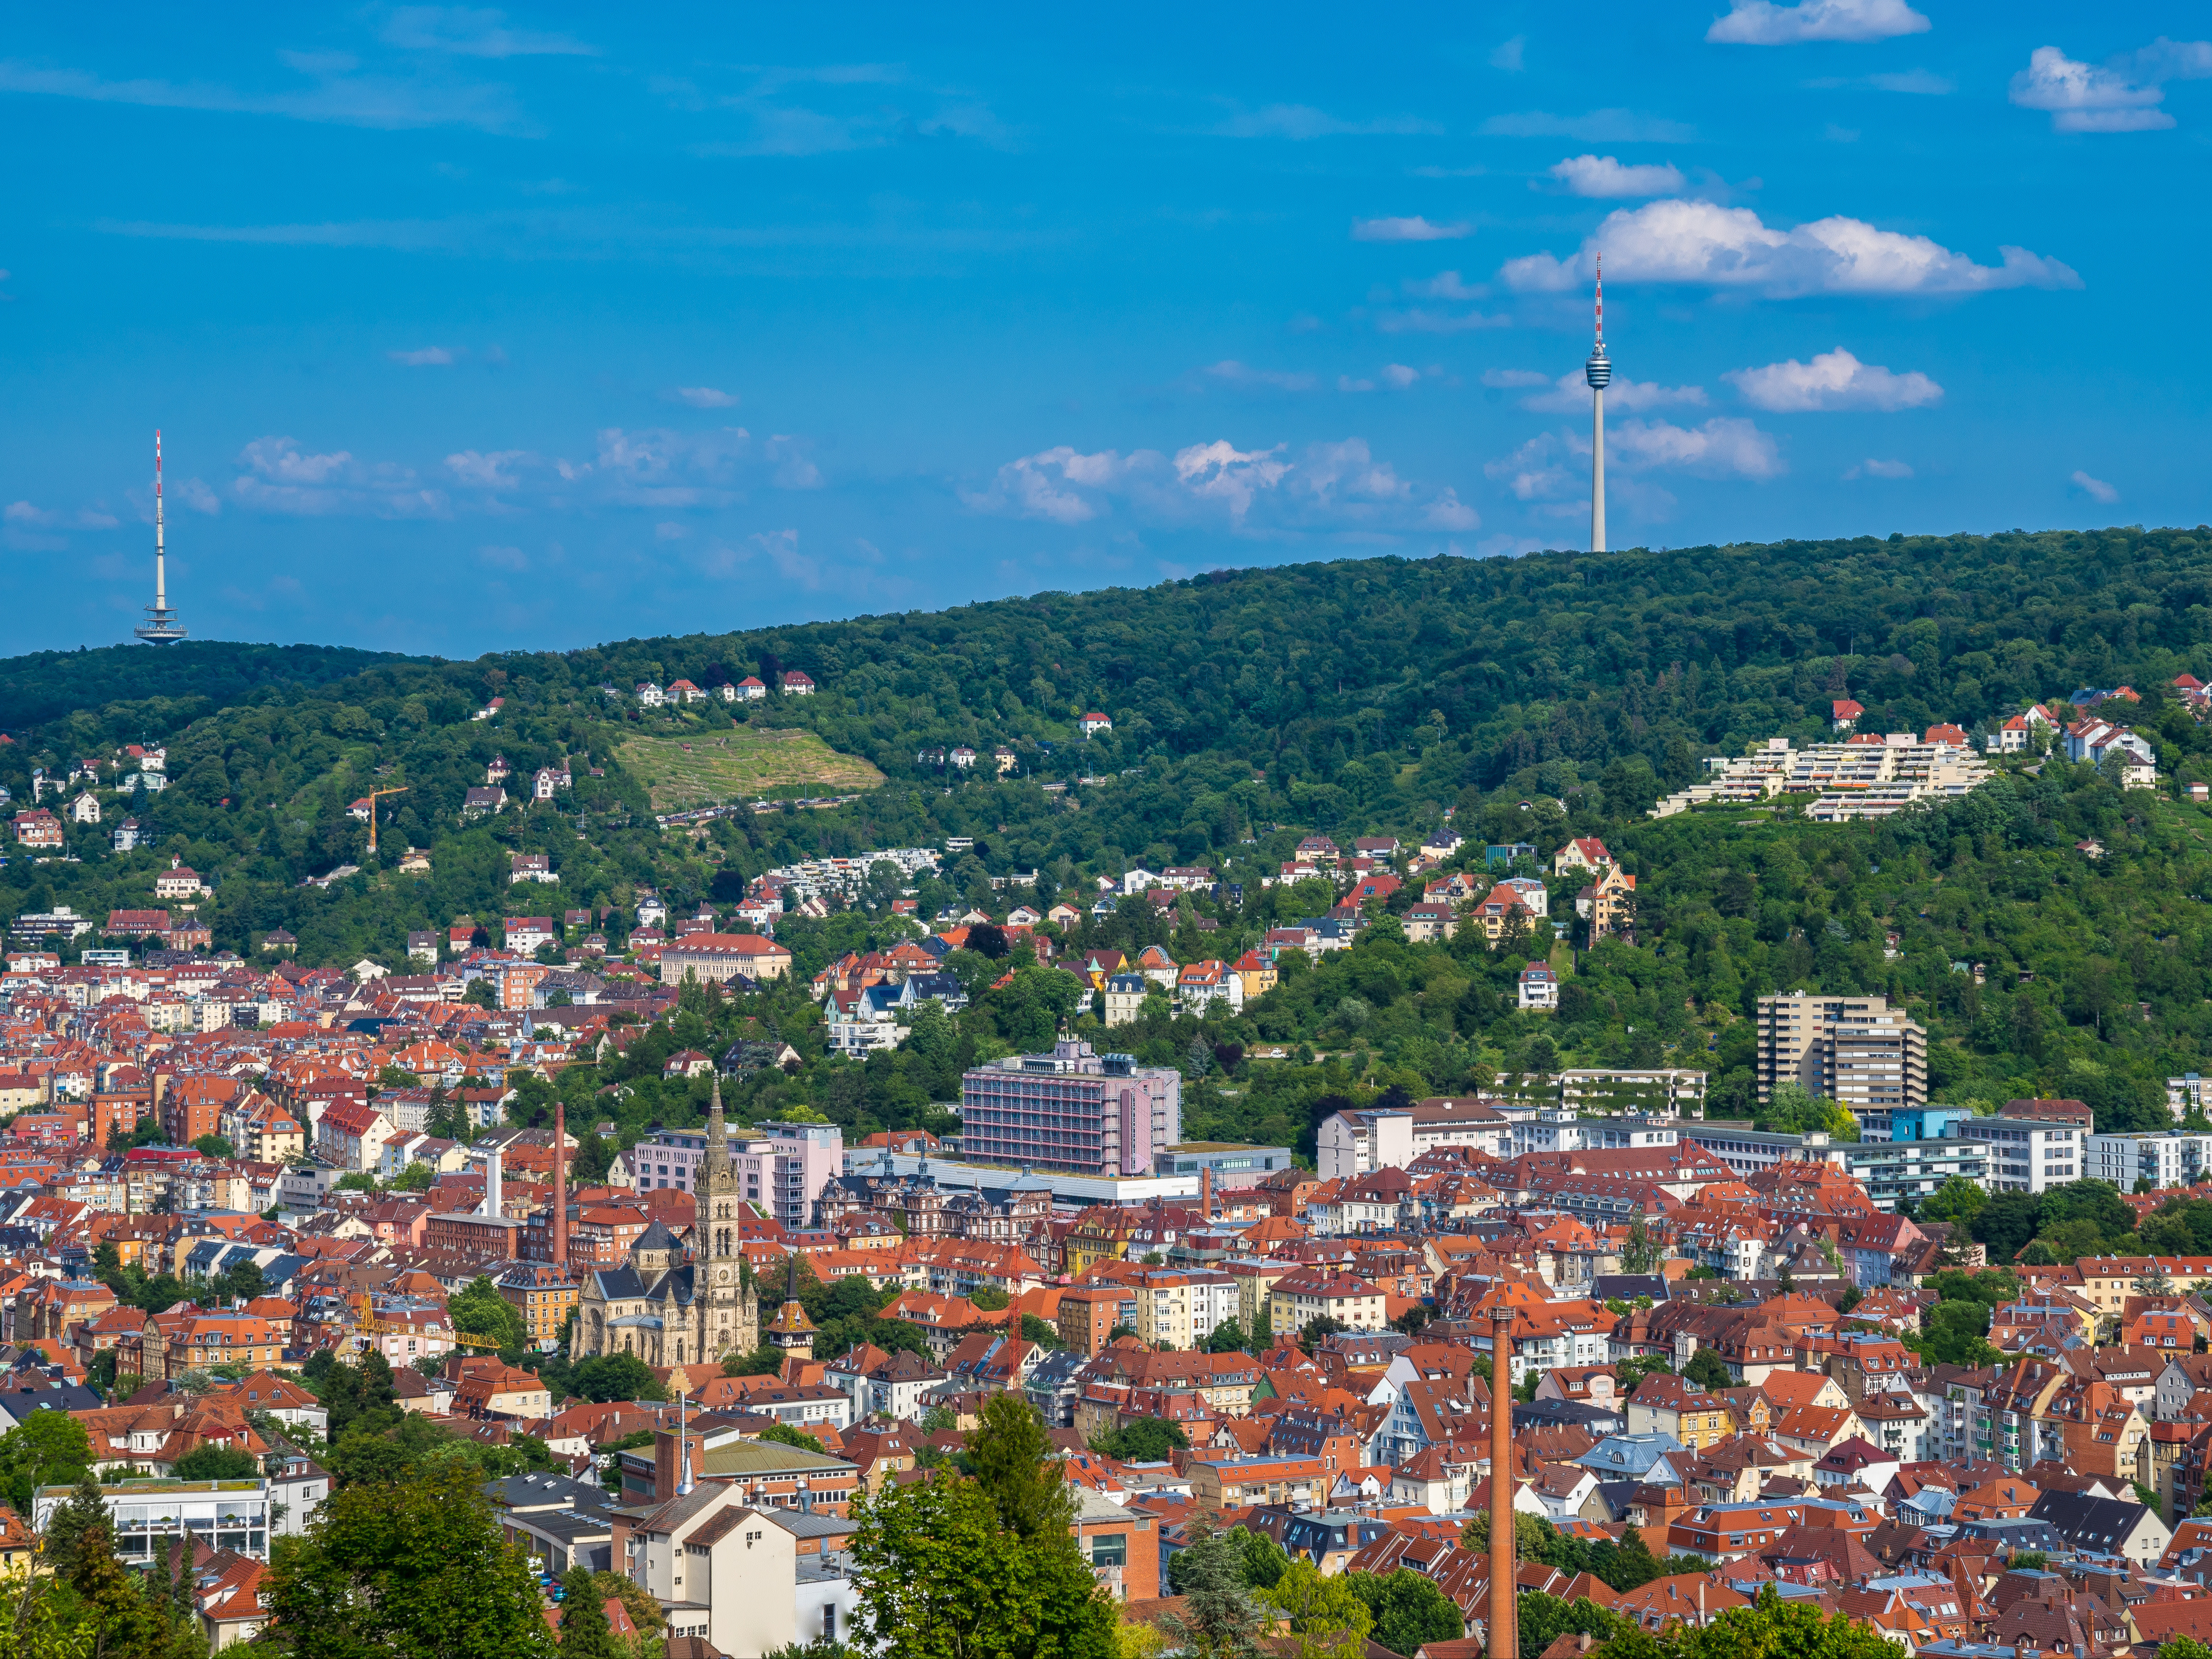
(1598, 371)
(161, 626)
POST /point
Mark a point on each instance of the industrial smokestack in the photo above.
(492, 1197)
(560, 1186)
(1503, 1642)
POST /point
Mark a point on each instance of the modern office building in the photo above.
(2028, 1155)
(149, 1515)
(1558, 1129)
(1071, 1109)
(2171, 1157)
(1856, 1051)
(782, 1166)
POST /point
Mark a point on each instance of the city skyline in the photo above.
(471, 330)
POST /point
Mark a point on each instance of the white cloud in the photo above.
(1679, 240)
(496, 471)
(1444, 285)
(466, 32)
(1511, 55)
(1603, 175)
(2095, 489)
(1415, 230)
(703, 397)
(1514, 377)
(426, 357)
(1338, 486)
(1762, 23)
(1919, 83)
(1600, 126)
(195, 494)
(1230, 372)
(28, 515)
(2121, 95)
(1533, 473)
(1304, 121)
(1833, 379)
(279, 478)
(666, 531)
(793, 468)
(1421, 321)
(280, 460)
(504, 558)
(1570, 395)
(1877, 469)
(1723, 446)
(338, 95)
(1448, 512)
(1396, 376)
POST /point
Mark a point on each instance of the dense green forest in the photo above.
(1532, 699)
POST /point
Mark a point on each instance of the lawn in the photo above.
(728, 766)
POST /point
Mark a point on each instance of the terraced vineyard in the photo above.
(728, 766)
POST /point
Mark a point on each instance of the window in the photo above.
(1112, 1551)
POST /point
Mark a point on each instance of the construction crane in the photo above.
(374, 795)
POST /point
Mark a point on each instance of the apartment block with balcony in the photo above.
(2028, 1155)
(1856, 1051)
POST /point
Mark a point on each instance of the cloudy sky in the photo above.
(469, 329)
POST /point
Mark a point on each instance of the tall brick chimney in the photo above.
(1504, 1642)
(560, 1186)
(1205, 1193)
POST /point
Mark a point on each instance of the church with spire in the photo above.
(673, 1306)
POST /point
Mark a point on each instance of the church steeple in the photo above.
(729, 1312)
(717, 1131)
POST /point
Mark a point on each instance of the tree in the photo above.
(1010, 1456)
(1327, 1614)
(616, 1376)
(214, 1146)
(940, 1579)
(478, 1309)
(46, 1449)
(1320, 1325)
(213, 1462)
(1707, 1370)
(1768, 1625)
(1957, 1200)
(585, 1633)
(784, 1434)
(2006, 1223)
(1146, 1441)
(1641, 1253)
(1541, 1620)
(1220, 1617)
(241, 1282)
(1409, 1610)
(1227, 1337)
(361, 1394)
(766, 1360)
(84, 1509)
(418, 1567)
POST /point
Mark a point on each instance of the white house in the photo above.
(1539, 986)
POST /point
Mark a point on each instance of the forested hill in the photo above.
(1538, 698)
(1310, 667)
(164, 689)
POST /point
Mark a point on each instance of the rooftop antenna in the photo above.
(1598, 371)
(161, 626)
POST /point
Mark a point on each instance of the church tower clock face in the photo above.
(724, 1274)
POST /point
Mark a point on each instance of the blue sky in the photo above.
(470, 329)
